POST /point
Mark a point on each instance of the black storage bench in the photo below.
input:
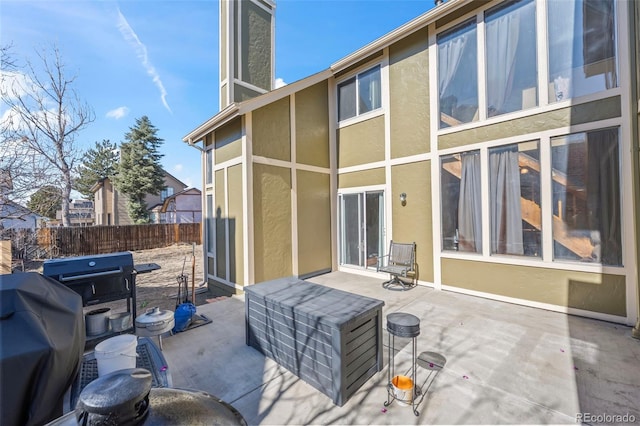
(329, 338)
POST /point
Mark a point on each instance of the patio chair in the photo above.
(400, 262)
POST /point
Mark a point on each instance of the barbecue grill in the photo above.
(100, 278)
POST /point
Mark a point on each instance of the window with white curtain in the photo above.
(360, 94)
(583, 204)
(458, 74)
(586, 197)
(514, 199)
(582, 47)
(510, 46)
(461, 205)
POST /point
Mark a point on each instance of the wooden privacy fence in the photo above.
(81, 241)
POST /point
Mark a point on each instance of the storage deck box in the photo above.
(329, 338)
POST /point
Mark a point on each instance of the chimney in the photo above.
(247, 44)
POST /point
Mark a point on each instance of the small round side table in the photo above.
(401, 324)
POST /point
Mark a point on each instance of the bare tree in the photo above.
(39, 128)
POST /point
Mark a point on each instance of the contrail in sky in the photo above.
(141, 50)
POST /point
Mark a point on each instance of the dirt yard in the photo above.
(160, 288)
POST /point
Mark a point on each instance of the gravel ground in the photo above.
(160, 288)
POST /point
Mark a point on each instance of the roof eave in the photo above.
(400, 32)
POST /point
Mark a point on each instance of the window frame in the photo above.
(542, 69)
(546, 259)
(381, 64)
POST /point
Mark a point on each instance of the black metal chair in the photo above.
(400, 262)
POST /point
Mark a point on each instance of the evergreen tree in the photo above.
(99, 162)
(139, 172)
(46, 201)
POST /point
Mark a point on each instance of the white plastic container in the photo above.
(116, 353)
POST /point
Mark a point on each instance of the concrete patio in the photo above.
(505, 364)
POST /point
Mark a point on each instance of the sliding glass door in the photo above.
(361, 228)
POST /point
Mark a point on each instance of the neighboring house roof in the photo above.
(188, 191)
(241, 108)
(13, 215)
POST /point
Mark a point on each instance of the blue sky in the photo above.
(160, 58)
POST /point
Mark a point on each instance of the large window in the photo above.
(582, 47)
(510, 45)
(359, 94)
(582, 208)
(514, 199)
(581, 58)
(461, 202)
(586, 197)
(458, 75)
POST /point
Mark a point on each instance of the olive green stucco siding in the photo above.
(578, 114)
(312, 125)
(256, 45)
(228, 141)
(412, 222)
(236, 222)
(242, 93)
(362, 178)
(314, 222)
(361, 143)
(271, 222)
(220, 207)
(602, 293)
(272, 131)
(409, 95)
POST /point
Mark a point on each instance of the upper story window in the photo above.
(458, 74)
(580, 58)
(582, 47)
(167, 192)
(510, 47)
(360, 94)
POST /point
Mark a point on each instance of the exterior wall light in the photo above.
(403, 199)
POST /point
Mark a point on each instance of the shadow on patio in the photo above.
(505, 364)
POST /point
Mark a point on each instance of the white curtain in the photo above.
(506, 212)
(469, 204)
(449, 55)
(502, 36)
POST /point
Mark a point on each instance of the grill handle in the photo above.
(93, 275)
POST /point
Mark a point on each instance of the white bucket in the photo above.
(116, 353)
(403, 389)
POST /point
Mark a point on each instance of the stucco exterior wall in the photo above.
(412, 222)
(255, 45)
(272, 222)
(361, 143)
(581, 290)
(236, 225)
(362, 178)
(228, 141)
(314, 222)
(220, 208)
(578, 114)
(409, 95)
(312, 125)
(272, 131)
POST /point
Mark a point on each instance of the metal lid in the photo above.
(178, 407)
(403, 325)
(154, 316)
(116, 393)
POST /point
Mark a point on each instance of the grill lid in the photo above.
(66, 269)
(154, 321)
(117, 394)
